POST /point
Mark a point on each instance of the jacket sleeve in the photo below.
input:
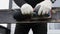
(19, 2)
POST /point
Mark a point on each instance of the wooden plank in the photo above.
(6, 16)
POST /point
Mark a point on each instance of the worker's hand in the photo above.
(26, 9)
(43, 7)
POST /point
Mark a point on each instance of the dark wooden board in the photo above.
(6, 16)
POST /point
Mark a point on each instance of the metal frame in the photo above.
(10, 7)
(10, 4)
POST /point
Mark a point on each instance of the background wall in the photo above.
(4, 4)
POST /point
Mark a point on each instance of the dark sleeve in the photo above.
(19, 2)
(18, 16)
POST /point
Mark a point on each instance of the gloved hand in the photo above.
(23, 13)
(26, 9)
(43, 7)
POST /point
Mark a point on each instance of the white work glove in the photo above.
(43, 7)
(26, 9)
